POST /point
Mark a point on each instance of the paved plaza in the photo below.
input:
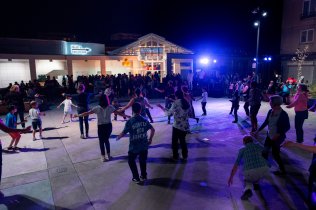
(63, 171)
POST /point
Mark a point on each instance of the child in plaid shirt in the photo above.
(254, 166)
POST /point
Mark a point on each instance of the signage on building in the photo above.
(76, 49)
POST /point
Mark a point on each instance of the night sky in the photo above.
(196, 25)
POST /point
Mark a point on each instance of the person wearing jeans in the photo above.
(278, 124)
(103, 112)
(169, 96)
(179, 136)
(204, 100)
(104, 133)
(137, 127)
(142, 163)
(254, 103)
(301, 113)
(180, 109)
(83, 99)
(83, 120)
(245, 92)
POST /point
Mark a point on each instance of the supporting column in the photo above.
(103, 69)
(69, 66)
(32, 65)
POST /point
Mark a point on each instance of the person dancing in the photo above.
(187, 96)
(301, 111)
(83, 99)
(180, 109)
(169, 95)
(278, 124)
(139, 99)
(6, 129)
(255, 103)
(103, 112)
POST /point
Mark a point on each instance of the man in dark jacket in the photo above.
(278, 124)
(254, 100)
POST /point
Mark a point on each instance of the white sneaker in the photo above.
(104, 158)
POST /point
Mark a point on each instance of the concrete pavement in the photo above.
(63, 171)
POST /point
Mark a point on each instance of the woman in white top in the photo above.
(67, 108)
(103, 112)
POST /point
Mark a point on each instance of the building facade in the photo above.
(24, 59)
(298, 32)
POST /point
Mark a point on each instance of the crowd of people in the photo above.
(178, 103)
(278, 123)
(123, 85)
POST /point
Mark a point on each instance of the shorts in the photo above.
(36, 124)
(68, 112)
(15, 135)
(254, 110)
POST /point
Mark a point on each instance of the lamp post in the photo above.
(259, 14)
(257, 23)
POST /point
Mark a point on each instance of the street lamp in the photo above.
(259, 14)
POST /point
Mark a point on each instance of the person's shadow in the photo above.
(18, 201)
(27, 149)
(14, 202)
(53, 128)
